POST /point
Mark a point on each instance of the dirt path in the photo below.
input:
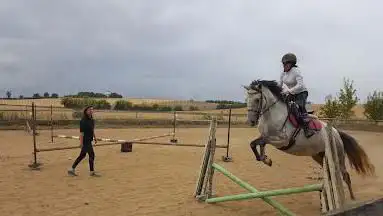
(157, 180)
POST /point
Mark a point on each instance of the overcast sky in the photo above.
(187, 49)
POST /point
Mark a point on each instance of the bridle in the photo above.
(260, 110)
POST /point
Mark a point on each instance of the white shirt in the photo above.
(293, 80)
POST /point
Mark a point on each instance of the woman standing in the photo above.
(87, 135)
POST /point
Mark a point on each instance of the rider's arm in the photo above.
(281, 80)
(300, 85)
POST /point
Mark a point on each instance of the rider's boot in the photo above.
(306, 129)
(301, 120)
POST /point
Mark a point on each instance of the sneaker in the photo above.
(94, 174)
(72, 172)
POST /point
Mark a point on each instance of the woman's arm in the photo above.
(299, 85)
(81, 132)
(94, 133)
(81, 139)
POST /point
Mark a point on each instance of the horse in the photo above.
(268, 109)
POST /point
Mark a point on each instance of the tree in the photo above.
(21, 96)
(347, 99)
(54, 95)
(46, 94)
(373, 109)
(331, 109)
(9, 94)
(115, 95)
(36, 95)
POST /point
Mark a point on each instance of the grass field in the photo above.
(59, 112)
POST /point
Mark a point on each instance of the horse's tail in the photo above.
(356, 155)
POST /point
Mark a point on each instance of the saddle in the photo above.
(311, 120)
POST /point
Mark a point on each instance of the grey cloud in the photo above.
(201, 49)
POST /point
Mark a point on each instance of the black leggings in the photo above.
(86, 148)
(300, 99)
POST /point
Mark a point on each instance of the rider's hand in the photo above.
(286, 91)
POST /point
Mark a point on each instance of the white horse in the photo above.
(269, 109)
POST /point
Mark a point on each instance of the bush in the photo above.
(123, 105)
(115, 95)
(165, 109)
(193, 108)
(233, 105)
(373, 109)
(178, 108)
(36, 96)
(77, 114)
(155, 106)
(102, 104)
(143, 107)
(80, 103)
(331, 109)
(347, 99)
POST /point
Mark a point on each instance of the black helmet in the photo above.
(289, 58)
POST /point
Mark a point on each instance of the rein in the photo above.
(260, 111)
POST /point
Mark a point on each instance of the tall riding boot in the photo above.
(301, 120)
(308, 132)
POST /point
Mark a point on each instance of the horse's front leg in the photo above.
(260, 156)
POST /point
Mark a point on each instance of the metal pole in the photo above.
(51, 123)
(228, 134)
(174, 140)
(34, 131)
(227, 158)
(174, 122)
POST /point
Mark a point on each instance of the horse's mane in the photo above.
(272, 85)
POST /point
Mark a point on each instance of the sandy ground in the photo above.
(157, 180)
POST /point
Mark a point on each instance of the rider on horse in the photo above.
(293, 87)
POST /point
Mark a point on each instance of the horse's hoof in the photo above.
(268, 162)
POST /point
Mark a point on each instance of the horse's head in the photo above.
(259, 100)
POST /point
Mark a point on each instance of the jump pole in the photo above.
(225, 158)
(173, 139)
(51, 123)
(332, 195)
(228, 158)
(35, 165)
(139, 141)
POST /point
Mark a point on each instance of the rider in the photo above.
(292, 84)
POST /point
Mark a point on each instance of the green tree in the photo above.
(373, 109)
(46, 94)
(331, 109)
(36, 95)
(347, 99)
(9, 94)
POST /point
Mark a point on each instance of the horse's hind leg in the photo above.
(319, 159)
(345, 174)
